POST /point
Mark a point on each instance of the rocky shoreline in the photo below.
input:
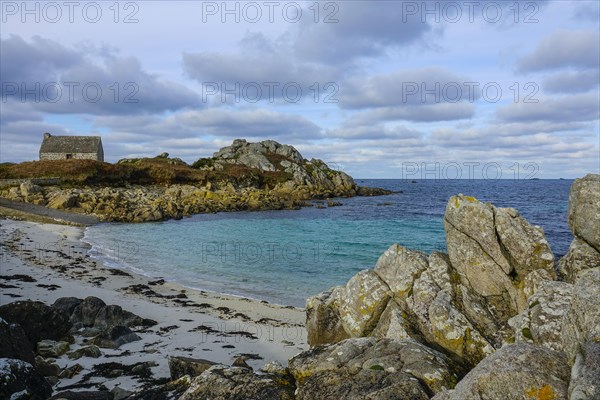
(497, 318)
(244, 176)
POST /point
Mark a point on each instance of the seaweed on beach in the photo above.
(18, 277)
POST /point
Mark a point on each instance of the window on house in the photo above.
(69, 156)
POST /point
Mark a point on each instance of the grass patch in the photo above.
(89, 172)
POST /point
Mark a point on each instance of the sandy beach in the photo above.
(44, 262)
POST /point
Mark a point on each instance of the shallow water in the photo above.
(286, 256)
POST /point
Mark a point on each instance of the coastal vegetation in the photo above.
(243, 176)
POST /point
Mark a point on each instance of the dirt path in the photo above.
(36, 213)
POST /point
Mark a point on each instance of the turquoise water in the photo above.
(286, 256)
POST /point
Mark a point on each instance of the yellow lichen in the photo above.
(470, 199)
(544, 393)
(455, 202)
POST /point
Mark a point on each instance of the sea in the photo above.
(284, 257)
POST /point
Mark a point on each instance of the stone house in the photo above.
(71, 147)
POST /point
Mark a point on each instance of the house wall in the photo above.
(77, 156)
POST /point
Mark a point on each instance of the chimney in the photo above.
(47, 135)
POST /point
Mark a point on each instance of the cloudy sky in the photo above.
(381, 89)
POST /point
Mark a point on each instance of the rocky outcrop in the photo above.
(459, 302)
(584, 209)
(579, 257)
(243, 176)
(497, 285)
(369, 368)
(565, 317)
(584, 220)
(38, 320)
(181, 366)
(47, 326)
(225, 383)
(362, 301)
(541, 322)
(107, 326)
(254, 155)
(322, 313)
(518, 371)
(14, 343)
(52, 348)
(580, 332)
(95, 315)
(493, 250)
(50, 331)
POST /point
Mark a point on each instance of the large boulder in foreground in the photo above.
(584, 221)
(323, 320)
(496, 286)
(518, 371)
(93, 312)
(361, 303)
(226, 383)
(38, 320)
(493, 250)
(371, 368)
(582, 322)
(541, 323)
(581, 336)
(14, 343)
(579, 257)
(19, 381)
(460, 302)
(585, 374)
(398, 267)
(584, 209)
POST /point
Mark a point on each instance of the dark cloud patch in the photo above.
(65, 80)
(572, 82)
(564, 48)
(309, 52)
(220, 122)
(572, 108)
(260, 72)
(39, 60)
(363, 29)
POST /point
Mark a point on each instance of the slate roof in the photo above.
(71, 144)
